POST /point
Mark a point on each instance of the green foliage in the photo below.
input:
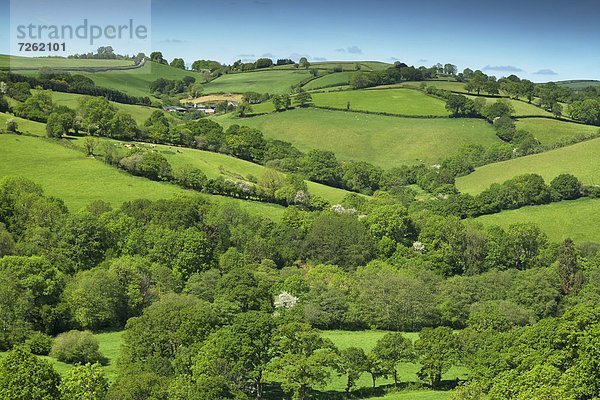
(76, 347)
(84, 382)
(39, 343)
(303, 359)
(95, 299)
(567, 187)
(392, 349)
(140, 386)
(438, 350)
(165, 330)
(24, 376)
(339, 239)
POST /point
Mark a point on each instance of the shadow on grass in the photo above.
(274, 391)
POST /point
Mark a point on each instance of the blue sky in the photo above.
(539, 40)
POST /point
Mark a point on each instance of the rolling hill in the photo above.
(382, 140)
(581, 159)
(269, 81)
(577, 220)
(35, 63)
(79, 180)
(392, 101)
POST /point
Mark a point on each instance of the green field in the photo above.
(381, 140)
(216, 165)
(581, 159)
(522, 108)
(16, 62)
(329, 80)
(407, 372)
(136, 82)
(270, 81)
(24, 125)
(351, 65)
(550, 131)
(579, 84)
(110, 344)
(71, 100)
(79, 180)
(445, 85)
(578, 219)
(392, 101)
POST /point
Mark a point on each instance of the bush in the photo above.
(12, 126)
(39, 343)
(77, 347)
(566, 187)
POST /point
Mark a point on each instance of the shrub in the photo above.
(77, 347)
(12, 126)
(39, 343)
(566, 187)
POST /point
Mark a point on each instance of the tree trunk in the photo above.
(373, 378)
(395, 378)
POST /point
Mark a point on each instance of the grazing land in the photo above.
(382, 140)
(351, 65)
(216, 165)
(551, 131)
(79, 180)
(71, 100)
(581, 159)
(392, 101)
(37, 63)
(270, 81)
(136, 82)
(577, 219)
(407, 372)
(24, 125)
(329, 80)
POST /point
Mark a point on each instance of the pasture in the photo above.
(216, 165)
(382, 140)
(110, 345)
(581, 159)
(136, 82)
(36, 63)
(577, 219)
(579, 84)
(24, 125)
(329, 80)
(550, 131)
(351, 65)
(269, 81)
(79, 180)
(393, 101)
(71, 100)
(445, 85)
(406, 372)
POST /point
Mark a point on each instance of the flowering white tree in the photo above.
(285, 300)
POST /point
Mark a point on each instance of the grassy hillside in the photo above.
(16, 62)
(407, 372)
(381, 140)
(351, 65)
(550, 131)
(269, 81)
(136, 82)
(578, 219)
(71, 100)
(216, 165)
(24, 125)
(393, 101)
(79, 180)
(445, 85)
(329, 80)
(579, 84)
(581, 160)
(110, 345)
